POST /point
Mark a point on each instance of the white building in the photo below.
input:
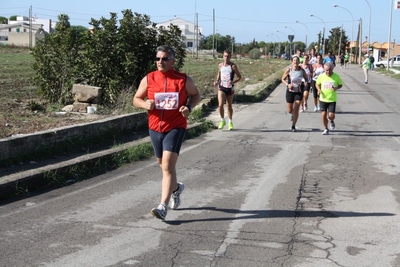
(20, 32)
(192, 36)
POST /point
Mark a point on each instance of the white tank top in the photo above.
(295, 77)
(226, 76)
(319, 70)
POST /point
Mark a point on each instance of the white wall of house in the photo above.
(191, 36)
(18, 34)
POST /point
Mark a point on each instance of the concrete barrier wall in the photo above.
(13, 147)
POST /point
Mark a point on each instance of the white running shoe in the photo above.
(160, 212)
(175, 200)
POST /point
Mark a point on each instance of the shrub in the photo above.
(255, 53)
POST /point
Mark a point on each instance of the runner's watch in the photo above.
(189, 108)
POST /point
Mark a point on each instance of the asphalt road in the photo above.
(257, 196)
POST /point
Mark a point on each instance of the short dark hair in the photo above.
(167, 49)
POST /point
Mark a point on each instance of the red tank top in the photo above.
(169, 94)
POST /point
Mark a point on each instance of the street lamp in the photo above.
(306, 28)
(369, 26)
(294, 33)
(323, 34)
(279, 41)
(274, 42)
(352, 27)
(284, 36)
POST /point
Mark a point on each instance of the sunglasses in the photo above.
(162, 58)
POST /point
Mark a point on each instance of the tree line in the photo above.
(115, 54)
(336, 42)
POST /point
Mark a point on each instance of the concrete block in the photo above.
(80, 107)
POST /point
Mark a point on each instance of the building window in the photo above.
(189, 44)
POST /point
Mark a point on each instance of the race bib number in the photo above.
(328, 85)
(166, 101)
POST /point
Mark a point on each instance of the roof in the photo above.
(21, 25)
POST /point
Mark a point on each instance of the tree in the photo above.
(3, 20)
(337, 37)
(172, 38)
(56, 61)
(109, 56)
(246, 48)
(63, 22)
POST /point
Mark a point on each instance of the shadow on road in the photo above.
(264, 214)
(319, 130)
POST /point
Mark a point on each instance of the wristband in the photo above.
(189, 108)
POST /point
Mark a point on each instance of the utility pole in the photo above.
(30, 27)
(194, 27)
(213, 33)
(340, 39)
(360, 42)
(197, 34)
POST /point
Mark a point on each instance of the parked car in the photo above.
(393, 62)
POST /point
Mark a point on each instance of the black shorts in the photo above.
(327, 106)
(169, 141)
(307, 87)
(291, 97)
(227, 91)
(314, 89)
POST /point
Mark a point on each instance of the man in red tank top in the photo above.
(169, 97)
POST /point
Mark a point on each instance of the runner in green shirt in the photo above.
(327, 84)
(346, 60)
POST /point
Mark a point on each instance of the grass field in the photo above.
(18, 95)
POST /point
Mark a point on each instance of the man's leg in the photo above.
(324, 119)
(366, 75)
(295, 111)
(169, 180)
(229, 101)
(221, 101)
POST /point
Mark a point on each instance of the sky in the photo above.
(246, 20)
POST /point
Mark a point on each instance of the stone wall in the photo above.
(13, 147)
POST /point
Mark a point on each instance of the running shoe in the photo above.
(294, 129)
(315, 109)
(332, 125)
(175, 200)
(230, 126)
(305, 106)
(221, 125)
(160, 212)
(301, 109)
(325, 132)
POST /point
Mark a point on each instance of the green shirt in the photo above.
(366, 64)
(326, 85)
